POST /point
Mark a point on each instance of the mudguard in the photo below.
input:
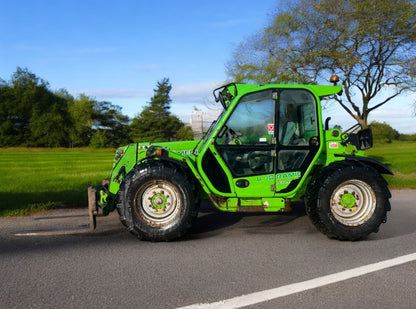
(380, 167)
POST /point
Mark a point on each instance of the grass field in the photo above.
(400, 157)
(39, 179)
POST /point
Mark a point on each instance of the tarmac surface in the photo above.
(225, 255)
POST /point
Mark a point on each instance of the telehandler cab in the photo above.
(268, 147)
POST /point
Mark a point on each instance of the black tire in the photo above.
(158, 202)
(347, 200)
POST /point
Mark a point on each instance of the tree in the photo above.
(48, 129)
(30, 114)
(185, 133)
(109, 125)
(8, 128)
(155, 123)
(369, 44)
(80, 111)
(16, 103)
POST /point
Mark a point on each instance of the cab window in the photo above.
(297, 117)
(252, 121)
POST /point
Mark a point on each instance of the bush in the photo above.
(407, 137)
(383, 132)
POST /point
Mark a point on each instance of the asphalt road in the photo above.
(224, 256)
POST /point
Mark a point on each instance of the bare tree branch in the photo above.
(370, 44)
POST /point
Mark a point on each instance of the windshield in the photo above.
(208, 133)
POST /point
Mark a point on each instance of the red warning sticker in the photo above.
(333, 145)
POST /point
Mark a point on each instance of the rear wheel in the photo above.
(158, 202)
(347, 201)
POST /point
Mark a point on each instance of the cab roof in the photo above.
(225, 94)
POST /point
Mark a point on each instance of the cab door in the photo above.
(298, 136)
(246, 146)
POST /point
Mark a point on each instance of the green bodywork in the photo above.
(270, 185)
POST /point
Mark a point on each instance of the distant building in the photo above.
(197, 123)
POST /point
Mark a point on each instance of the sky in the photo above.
(118, 51)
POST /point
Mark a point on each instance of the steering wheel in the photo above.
(233, 137)
(257, 160)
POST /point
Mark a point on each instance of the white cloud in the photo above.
(199, 95)
(194, 92)
(399, 116)
(114, 93)
(184, 98)
(181, 93)
(396, 114)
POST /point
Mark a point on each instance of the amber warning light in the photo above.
(334, 79)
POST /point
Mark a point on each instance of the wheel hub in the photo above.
(158, 203)
(353, 202)
(348, 200)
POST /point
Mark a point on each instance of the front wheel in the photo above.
(353, 202)
(348, 201)
(159, 202)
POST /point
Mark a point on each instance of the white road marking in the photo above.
(266, 295)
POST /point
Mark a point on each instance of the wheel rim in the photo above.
(158, 204)
(353, 202)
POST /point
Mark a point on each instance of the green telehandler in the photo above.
(268, 147)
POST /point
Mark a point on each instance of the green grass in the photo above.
(400, 157)
(40, 179)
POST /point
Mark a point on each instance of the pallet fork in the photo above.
(64, 222)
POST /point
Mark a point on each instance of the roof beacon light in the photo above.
(334, 79)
